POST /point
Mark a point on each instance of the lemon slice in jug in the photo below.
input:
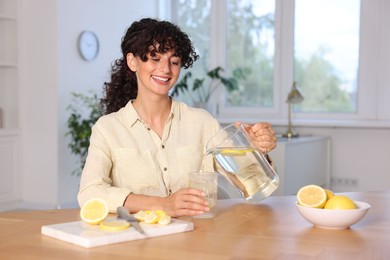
(235, 151)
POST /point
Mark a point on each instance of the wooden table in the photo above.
(272, 229)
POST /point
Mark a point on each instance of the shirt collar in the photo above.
(133, 117)
(130, 113)
(175, 110)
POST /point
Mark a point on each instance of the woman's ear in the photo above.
(131, 62)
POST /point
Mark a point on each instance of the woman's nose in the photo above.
(165, 66)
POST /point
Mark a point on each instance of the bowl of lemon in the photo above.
(325, 209)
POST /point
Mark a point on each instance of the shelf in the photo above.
(8, 65)
(9, 69)
(7, 17)
(7, 132)
(8, 9)
(8, 46)
(9, 97)
(9, 102)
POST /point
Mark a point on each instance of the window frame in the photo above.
(373, 108)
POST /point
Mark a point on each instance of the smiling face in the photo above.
(158, 74)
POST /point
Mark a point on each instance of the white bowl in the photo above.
(334, 218)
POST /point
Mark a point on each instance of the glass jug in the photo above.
(242, 165)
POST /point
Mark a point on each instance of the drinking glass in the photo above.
(208, 183)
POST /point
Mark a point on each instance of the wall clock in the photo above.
(88, 45)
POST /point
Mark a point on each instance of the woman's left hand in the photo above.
(262, 135)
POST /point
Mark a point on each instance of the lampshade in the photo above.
(295, 96)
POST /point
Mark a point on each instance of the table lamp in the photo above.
(294, 97)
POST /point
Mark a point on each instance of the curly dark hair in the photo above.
(163, 36)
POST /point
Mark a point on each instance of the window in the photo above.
(332, 49)
(326, 54)
(251, 46)
(193, 17)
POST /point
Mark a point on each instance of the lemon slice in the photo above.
(140, 215)
(340, 202)
(164, 220)
(94, 211)
(114, 225)
(235, 151)
(160, 213)
(151, 218)
(312, 196)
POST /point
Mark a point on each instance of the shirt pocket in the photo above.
(189, 159)
(134, 170)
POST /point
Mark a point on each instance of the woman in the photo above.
(144, 146)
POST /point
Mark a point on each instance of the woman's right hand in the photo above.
(186, 202)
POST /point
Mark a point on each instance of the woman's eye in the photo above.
(175, 62)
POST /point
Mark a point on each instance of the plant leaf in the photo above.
(197, 83)
(182, 85)
(79, 126)
(214, 73)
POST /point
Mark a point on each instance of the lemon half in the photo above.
(94, 211)
(312, 196)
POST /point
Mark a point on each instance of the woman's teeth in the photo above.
(160, 79)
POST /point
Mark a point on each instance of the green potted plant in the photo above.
(84, 110)
(201, 89)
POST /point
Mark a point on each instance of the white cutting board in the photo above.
(86, 235)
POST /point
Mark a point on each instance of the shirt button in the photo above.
(148, 129)
(165, 169)
(162, 146)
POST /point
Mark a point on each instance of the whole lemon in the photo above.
(340, 202)
(329, 193)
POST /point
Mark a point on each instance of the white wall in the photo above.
(51, 69)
